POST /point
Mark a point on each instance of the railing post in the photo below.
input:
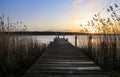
(75, 40)
(90, 44)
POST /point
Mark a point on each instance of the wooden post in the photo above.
(63, 36)
(75, 40)
(90, 45)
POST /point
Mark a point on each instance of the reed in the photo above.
(104, 49)
(17, 53)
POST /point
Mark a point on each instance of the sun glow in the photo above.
(89, 29)
(92, 30)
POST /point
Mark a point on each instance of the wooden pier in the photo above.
(62, 59)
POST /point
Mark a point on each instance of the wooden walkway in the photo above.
(61, 59)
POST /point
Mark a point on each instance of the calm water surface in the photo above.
(82, 40)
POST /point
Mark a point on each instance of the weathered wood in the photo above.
(61, 59)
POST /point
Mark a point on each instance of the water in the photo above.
(47, 39)
(82, 40)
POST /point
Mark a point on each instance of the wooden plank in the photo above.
(61, 59)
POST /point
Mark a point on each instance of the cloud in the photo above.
(76, 18)
(93, 3)
(88, 3)
(71, 12)
(76, 2)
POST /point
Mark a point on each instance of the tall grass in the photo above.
(17, 53)
(104, 49)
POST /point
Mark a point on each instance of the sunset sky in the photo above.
(52, 15)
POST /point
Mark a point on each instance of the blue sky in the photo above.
(51, 15)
